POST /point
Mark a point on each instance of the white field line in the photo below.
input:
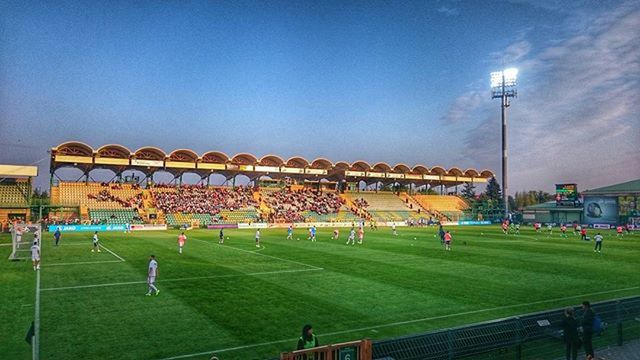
(120, 259)
(256, 252)
(112, 253)
(181, 279)
(403, 323)
(273, 257)
(83, 263)
(36, 321)
(6, 244)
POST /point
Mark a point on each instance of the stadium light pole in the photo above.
(503, 87)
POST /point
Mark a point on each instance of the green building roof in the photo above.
(629, 187)
(551, 205)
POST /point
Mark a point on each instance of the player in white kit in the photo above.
(35, 255)
(152, 275)
(352, 237)
(96, 243)
(258, 238)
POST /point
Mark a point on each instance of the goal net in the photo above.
(22, 237)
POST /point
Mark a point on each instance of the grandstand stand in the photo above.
(99, 196)
(298, 204)
(115, 216)
(201, 199)
(384, 206)
(451, 207)
(15, 193)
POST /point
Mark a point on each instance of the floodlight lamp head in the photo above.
(496, 79)
(510, 76)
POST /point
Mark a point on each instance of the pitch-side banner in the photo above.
(148, 227)
(77, 228)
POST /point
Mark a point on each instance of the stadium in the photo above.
(225, 286)
(446, 180)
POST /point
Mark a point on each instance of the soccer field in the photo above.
(243, 302)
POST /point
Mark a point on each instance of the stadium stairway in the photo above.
(356, 211)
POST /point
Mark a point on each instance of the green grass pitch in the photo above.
(242, 302)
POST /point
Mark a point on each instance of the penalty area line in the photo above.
(180, 279)
(369, 328)
(112, 253)
(83, 263)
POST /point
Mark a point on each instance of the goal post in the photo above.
(22, 237)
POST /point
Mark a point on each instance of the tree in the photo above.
(493, 191)
(469, 191)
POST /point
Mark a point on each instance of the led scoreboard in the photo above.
(566, 194)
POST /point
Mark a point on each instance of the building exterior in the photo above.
(605, 206)
(549, 212)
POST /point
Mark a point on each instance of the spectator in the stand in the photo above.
(308, 339)
(570, 334)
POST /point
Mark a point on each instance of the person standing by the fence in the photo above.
(307, 340)
(587, 329)
(570, 330)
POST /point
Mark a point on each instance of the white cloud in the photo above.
(577, 117)
(447, 10)
(513, 53)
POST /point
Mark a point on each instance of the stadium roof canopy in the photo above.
(625, 188)
(150, 159)
(16, 171)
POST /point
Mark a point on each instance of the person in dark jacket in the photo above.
(307, 340)
(441, 234)
(570, 330)
(587, 329)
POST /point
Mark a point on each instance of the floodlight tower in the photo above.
(503, 87)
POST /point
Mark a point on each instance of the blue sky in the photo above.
(379, 81)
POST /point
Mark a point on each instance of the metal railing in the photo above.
(353, 350)
(530, 336)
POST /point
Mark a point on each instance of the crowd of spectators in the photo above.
(288, 205)
(202, 199)
(106, 195)
(361, 203)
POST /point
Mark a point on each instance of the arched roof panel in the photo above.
(341, 165)
(150, 153)
(454, 171)
(183, 155)
(297, 162)
(215, 157)
(114, 151)
(471, 172)
(271, 160)
(360, 166)
(401, 168)
(75, 148)
(438, 170)
(420, 169)
(321, 163)
(244, 159)
(381, 167)
(487, 173)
